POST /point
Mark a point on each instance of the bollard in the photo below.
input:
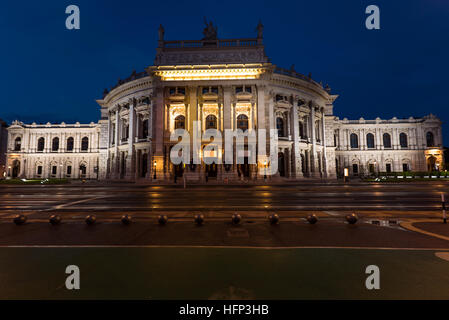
(20, 219)
(199, 219)
(126, 219)
(274, 218)
(91, 219)
(236, 218)
(54, 220)
(162, 219)
(312, 218)
(351, 218)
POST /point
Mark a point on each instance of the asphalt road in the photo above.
(301, 197)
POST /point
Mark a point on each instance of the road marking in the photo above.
(443, 255)
(73, 202)
(332, 213)
(221, 247)
(409, 225)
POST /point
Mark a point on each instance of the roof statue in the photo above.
(161, 32)
(209, 32)
(259, 29)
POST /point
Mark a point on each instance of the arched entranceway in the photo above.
(178, 169)
(431, 163)
(243, 169)
(211, 170)
(281, 164)
(15, 168)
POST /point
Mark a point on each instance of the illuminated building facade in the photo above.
(231, 84)
(3, 141)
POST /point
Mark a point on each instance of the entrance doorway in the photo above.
(281, 164)
(15, 168)
(178, 169)
(243, 168)
(431, 163)
(211, 170)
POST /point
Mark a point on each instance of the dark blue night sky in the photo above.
(54, 74)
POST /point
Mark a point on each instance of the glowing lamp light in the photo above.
(209, 74)
(346, 172)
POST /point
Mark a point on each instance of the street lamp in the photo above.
(346, 174)
(154, 164)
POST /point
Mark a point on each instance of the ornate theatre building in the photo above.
(224, 84)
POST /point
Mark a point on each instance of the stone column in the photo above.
(296, 170)
(117, 158)
(130, 164)
(323, 142)
(313, 154)
(158, 113)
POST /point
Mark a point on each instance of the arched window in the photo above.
(301, 129)
(55, 144)
(40, 144)
(280, 126)
(354, 141)
(242, 122)
(370, 141)
(387, 140)
(84, 144)
(18, 144)
(211, 122)
(70, 144)
(180, 122)
(403, 140)
(429, 139)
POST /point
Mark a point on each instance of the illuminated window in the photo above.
(40, 144)
(354, 141)
(55, 144)
(403, 140)
(211, 122)
(242, 122)
(18, 144)
(180, 122)
(370, 141)
(280, 126)
(70, 144)
(85, 144)
(387, 140)
(429, 139)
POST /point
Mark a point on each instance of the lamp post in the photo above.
(155, 165)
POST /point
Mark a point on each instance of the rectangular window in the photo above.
(181, 90)
(371, 168)
(172, 90)
(248, 89)
(39, 170)
(405, 167)
(355, 169)
(69, 169)
(205, 90)
(54, 169)
(388, 167)
(214, 90)
(238, 89)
